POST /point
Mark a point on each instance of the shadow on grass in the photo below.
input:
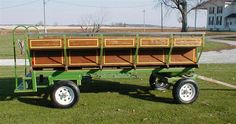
(7, 89)
(98, 86)
(134, 91)
(7, 86)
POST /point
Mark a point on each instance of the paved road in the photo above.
(224, 56)
(10, 62)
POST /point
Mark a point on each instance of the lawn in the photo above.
(215, 46)
(222, 72)
(123, 101)
(230, 38)
(6, 50)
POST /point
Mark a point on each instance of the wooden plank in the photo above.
(187, 42)
(47, 58)
(45, 44)
(183, 56)
(119, 42)
(117, 57)
(154, 42)
(151, 57)
(83, 43)
(83, 58)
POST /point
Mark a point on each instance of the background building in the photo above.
(221, 15)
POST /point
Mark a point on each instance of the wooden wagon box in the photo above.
(112, 51)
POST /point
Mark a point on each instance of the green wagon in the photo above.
(57, 62)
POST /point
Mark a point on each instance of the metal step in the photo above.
(24, 85)
(24, 91)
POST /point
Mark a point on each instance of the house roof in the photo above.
(231, 15)
(205, 4)
(230, 0)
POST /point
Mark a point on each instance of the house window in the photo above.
(211, 10)
(211, 20)
(219, 10)
(220, 20)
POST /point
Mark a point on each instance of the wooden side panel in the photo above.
(47, 58)
(187, 42)
(151, 57)
(83, 43)
(116, 57)
(83, 57)
(154, 42)
(183, 56)
(45, 43)
(119, 43)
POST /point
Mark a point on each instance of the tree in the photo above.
(92, 23)
(184, 7)
(40, 23)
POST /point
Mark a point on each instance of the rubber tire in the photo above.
(153, 82)
(177, 87)
(70, 84)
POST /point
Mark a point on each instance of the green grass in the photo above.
(122, 101)
(210, 33)
(214, 46)
(6, 50)
(230, 38)
(222, 72)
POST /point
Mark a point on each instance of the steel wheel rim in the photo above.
(187, 92)
(64, 95)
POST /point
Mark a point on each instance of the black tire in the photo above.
(158, 82)
(64, 94)
(189, 92)
(152, 81)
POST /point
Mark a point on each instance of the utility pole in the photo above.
(144, 20)
(161, 17)
(44, 16)
(195, 24)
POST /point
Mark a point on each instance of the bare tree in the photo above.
(184, 7)
(92, 23)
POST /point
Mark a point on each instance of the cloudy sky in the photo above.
(74, 11)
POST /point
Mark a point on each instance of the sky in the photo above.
(65, 12)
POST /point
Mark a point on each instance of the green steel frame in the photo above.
(174, 74)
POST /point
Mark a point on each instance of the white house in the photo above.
(221, 15)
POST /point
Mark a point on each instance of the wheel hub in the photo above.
(187, 92)
(64, 95)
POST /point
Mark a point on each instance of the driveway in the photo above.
(224, 56)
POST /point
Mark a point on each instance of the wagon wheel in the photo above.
(158, 82)
(65, 94)
(185, 91)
